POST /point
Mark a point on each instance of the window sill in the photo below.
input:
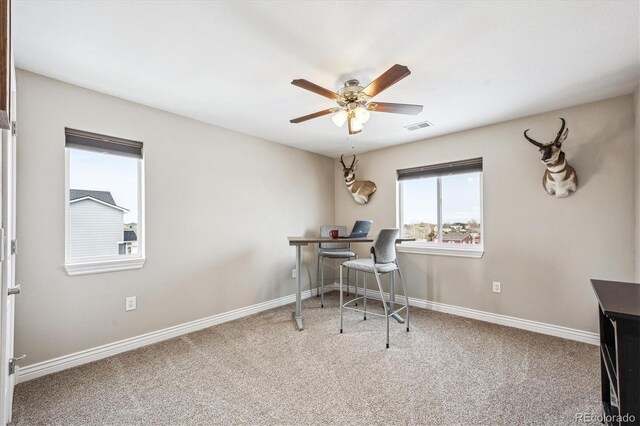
(414, 248)
(98, 267)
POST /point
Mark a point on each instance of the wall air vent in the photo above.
(417, 126)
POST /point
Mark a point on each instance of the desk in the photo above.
(298, 242)
(619, 350)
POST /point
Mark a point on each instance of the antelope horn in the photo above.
(353, 162)
(560, 132)
(342, 162)
(538, 144)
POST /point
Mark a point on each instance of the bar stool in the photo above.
(332, 251)
(383, 261)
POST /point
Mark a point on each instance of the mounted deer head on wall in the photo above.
(560, 178)
(361, 190)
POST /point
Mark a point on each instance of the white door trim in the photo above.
(8, 220)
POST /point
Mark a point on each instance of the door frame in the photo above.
(7, 257)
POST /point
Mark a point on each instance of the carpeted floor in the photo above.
(259, 370)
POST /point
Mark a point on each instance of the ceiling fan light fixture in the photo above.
(340, 118)
(356, 125)
(362, 114)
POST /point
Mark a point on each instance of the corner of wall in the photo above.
(636, 161)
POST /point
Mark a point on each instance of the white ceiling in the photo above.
(231, 63)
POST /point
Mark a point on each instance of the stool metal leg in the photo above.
(322, 282)
(365, 295)
(356, 293)
(340, 298)
(356, 277)
(348, 281)
(384, 303)
(317, 277)
(406, 295)
(387, 318)
(392, 287)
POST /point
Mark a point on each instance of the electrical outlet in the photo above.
(293, 273)
(496, 287)
(130, 303)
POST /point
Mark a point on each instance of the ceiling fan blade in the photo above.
(314, 115)
(312, 87)
(352, 132)
(388, 78)
(407, 109)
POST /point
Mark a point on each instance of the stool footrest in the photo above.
(397, 307)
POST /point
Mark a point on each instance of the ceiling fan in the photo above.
(354, 100)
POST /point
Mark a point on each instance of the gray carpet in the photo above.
(259, 370)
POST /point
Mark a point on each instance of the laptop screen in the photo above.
(361, 228)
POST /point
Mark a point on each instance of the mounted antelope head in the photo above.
(560, 178)
(360, 189)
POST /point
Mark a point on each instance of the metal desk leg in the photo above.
(392, 296)
(297, 315)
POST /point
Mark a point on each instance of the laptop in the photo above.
(360, 229)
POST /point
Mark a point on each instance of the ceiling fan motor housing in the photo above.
(351, 93)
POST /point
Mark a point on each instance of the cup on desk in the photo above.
(334, 233)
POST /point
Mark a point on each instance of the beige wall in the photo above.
(636, 104)
(219, 207)
(543, 250)
(214, 243)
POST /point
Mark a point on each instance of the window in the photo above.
(441, 207)
(104, 195)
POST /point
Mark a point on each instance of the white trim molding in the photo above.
(524, 324)
(94, 354)
(83, 357)
(100, 266)
(440, 250)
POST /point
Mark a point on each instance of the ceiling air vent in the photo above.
(417, 126)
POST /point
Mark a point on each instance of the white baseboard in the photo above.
(524, 324)
(83, 357)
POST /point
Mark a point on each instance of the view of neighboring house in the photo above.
(130, 243)
(454, 233)
(457, 237)
(96, 226)
(131, 238)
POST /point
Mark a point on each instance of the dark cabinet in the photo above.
(619, 350)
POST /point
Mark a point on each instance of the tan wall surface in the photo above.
(636, 104)
(219, 206)
(543, 250)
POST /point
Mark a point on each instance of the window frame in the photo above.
(96, 265)
(439, 248)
